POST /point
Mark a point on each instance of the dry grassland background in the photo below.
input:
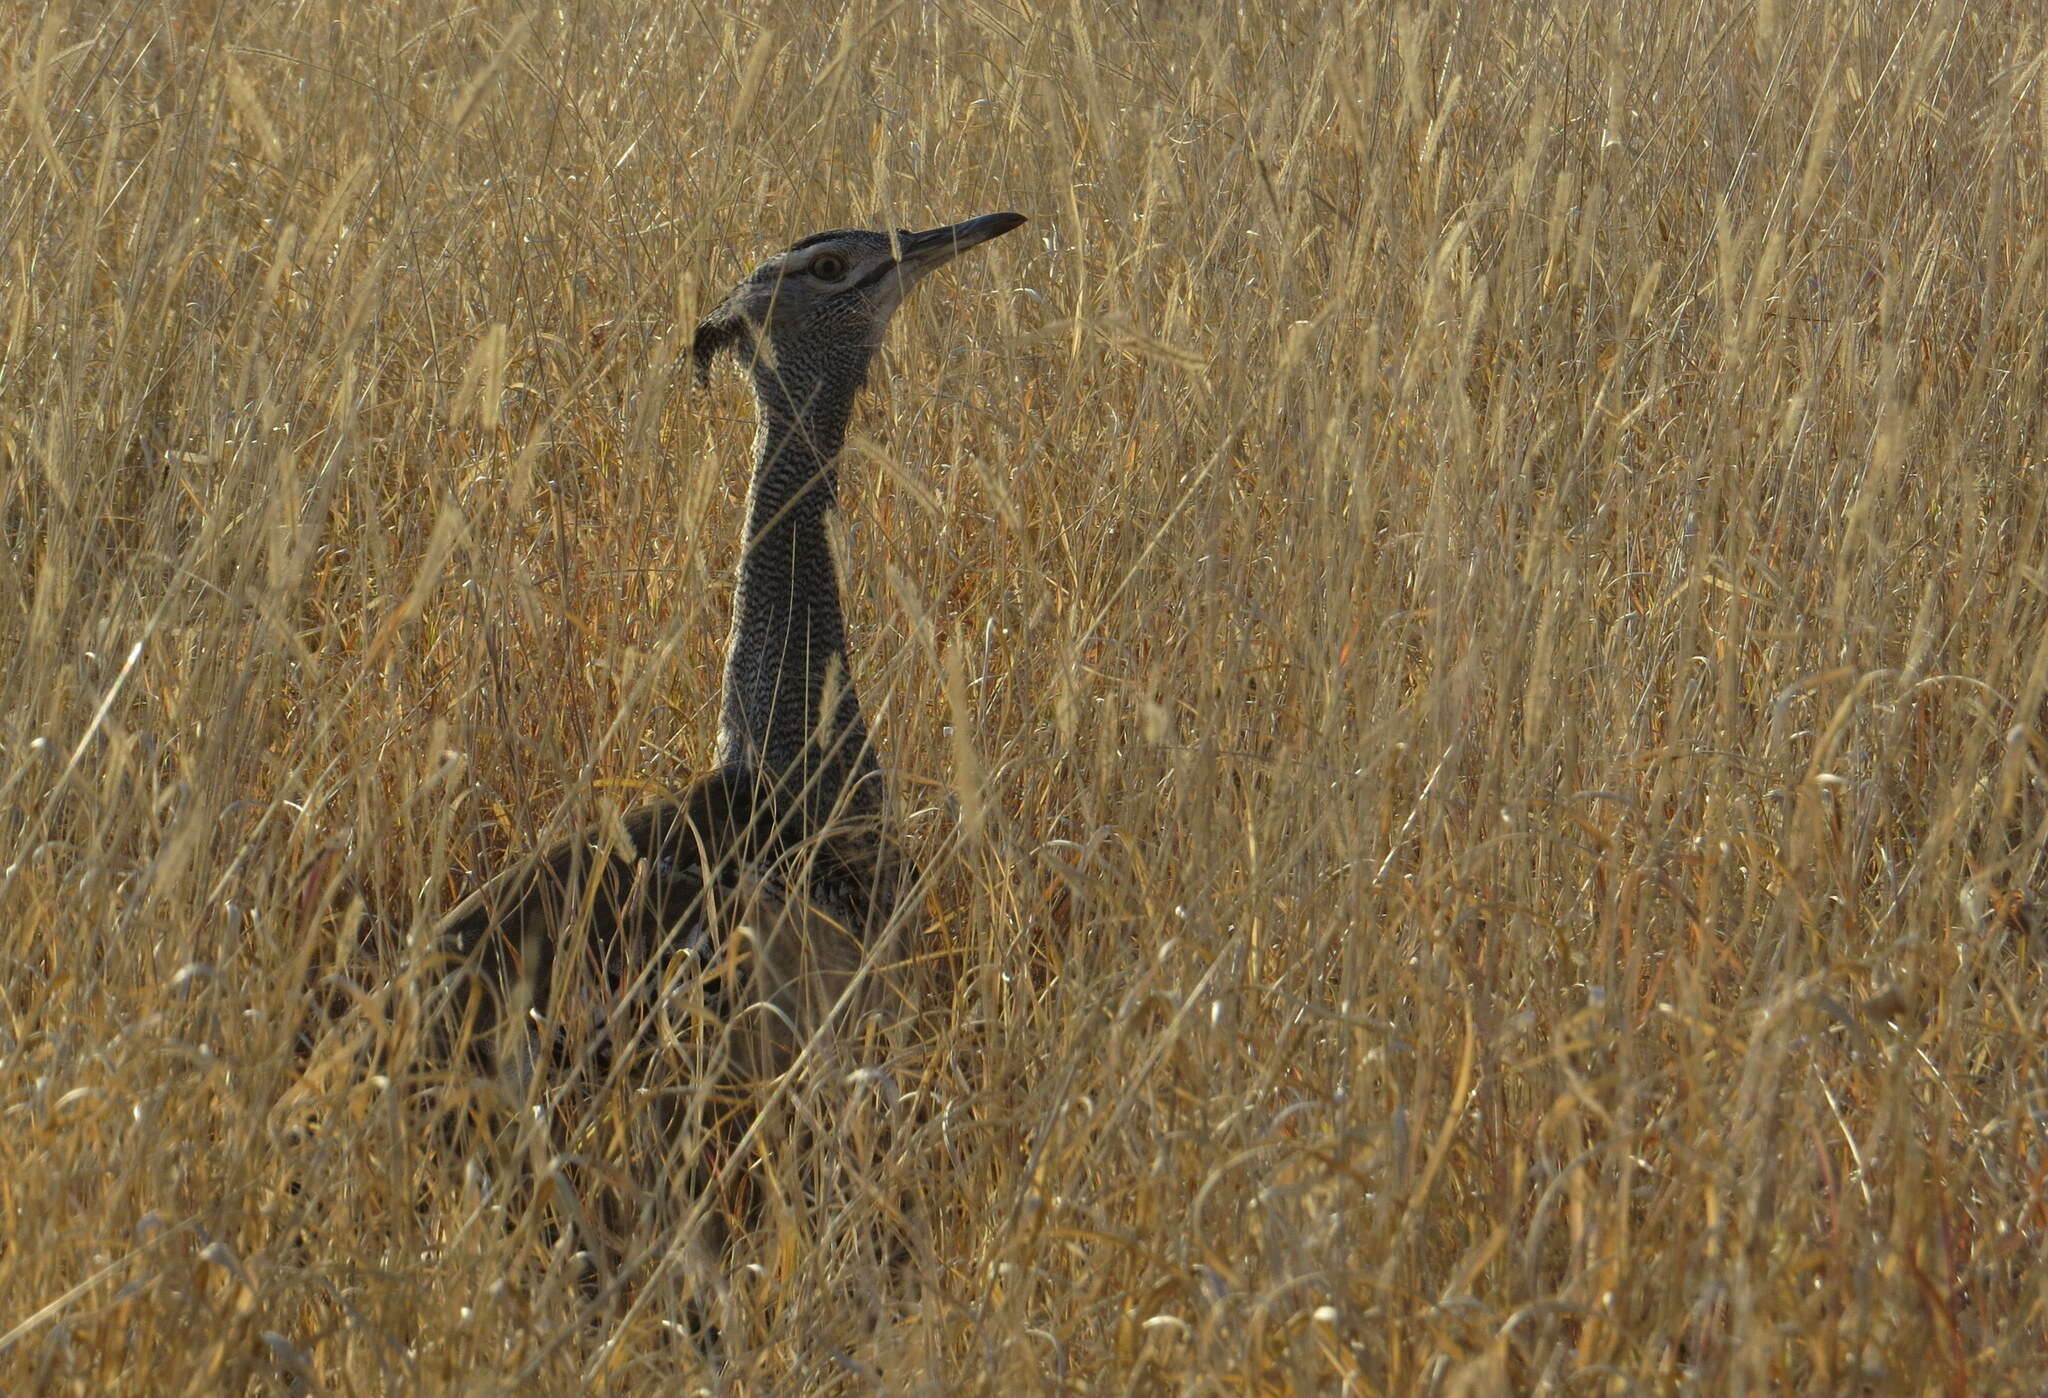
(1460, 619)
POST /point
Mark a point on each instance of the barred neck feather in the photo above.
(789, 711)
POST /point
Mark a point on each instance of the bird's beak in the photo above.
(919, 253)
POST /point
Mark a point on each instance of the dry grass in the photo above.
(1462, 619)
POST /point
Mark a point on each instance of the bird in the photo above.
(767, 883)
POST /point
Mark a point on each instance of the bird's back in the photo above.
(722, 889)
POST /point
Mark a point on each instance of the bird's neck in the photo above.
(789, 711)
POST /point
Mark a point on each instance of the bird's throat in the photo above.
(789, 711)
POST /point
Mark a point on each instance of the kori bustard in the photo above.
(783, 845)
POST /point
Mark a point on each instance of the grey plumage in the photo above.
(806, 341)
(784, 837)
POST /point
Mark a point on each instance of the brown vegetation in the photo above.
(1460, 621)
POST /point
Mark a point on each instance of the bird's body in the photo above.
(673, 886)
(773, 875)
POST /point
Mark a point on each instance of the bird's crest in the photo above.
(724, 329)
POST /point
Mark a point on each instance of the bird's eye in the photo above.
(828, 267)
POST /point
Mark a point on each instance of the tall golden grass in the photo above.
(1461, 621)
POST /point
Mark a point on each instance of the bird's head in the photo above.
(828, 298)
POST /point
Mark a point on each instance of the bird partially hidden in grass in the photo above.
(762, 890)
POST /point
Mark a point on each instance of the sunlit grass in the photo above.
(1460, 621)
